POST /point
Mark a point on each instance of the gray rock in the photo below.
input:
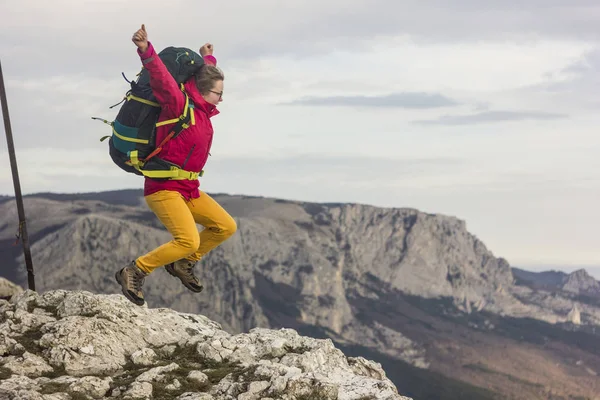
(96, 335)
(196, 396)
(57, 396)
(173, 385)
(157, 374)
(197, 377)
(144, 357)
(29, 364)
(139, 390)
(8, 289)
(9, 345)
(92, 386)
(26, 395)
(254, 390)
(18, 382)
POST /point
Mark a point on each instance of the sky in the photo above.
(487, 111)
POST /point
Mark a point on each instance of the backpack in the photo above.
(132, 145)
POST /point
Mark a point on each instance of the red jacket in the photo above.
(191, 147)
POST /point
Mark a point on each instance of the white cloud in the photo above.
(492, 116)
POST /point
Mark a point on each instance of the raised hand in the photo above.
(140, 38)
(207, 49)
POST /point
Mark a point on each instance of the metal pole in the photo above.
(15, 173)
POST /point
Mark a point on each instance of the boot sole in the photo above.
(184, 282)
(135, 301)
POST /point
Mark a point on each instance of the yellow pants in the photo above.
(180, 217)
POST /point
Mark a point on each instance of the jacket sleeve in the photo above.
(210, 60)
(164, 87)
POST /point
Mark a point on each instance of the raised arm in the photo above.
(165, 89)
(206, 52)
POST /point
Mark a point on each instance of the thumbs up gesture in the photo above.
(140, 38)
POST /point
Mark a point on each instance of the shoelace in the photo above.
(136, 280)
(189, 272)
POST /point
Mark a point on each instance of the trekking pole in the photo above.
(22, 232)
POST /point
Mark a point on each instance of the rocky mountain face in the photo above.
(64, 345)
(580, 282)
(414, 291)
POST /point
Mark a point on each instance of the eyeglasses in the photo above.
(219, 93)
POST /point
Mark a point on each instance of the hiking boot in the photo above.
(131, 279)
(184, 270)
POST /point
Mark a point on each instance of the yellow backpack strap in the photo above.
(172, 173)
(150, 103)
(134, 160)
(184, 115)
(167, 122)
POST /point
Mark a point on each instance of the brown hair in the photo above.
(206, 78)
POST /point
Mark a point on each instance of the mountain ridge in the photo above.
(410, 286)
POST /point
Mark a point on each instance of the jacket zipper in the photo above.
(188, 157)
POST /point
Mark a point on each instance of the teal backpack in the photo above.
(132, 145)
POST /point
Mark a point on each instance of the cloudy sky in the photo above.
(485, 110)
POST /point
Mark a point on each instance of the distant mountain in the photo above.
(581, 282)
(577, 282)
(546, 279)
(127, 197)
(414, 291)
